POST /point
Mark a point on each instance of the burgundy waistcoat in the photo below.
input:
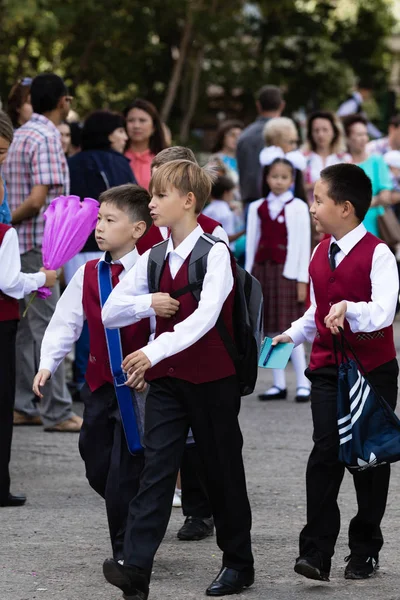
(208, 359)
(133, 337)
(273, 241)
(9, 307)
(153, 236)
(350, 281)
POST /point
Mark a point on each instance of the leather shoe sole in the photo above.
(303, 567)
(230, 582)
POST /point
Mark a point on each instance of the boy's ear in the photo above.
(347, 209)
(139, 229)
(190, 201)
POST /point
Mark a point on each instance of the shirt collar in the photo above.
(351, 239)
(283, 198)
(36, 118)
(185, 247)
(127, 261)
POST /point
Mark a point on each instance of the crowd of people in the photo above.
(255, 194)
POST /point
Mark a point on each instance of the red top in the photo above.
(207, 359)
(350, 281)
(153, 236)
(273, 241)
(9, 307)
(133, 337)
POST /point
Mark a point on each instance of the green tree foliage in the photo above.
(110, 51)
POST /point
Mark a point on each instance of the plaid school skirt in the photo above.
(280, 297)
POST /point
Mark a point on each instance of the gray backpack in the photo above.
(248, 311)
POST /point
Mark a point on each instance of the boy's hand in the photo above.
(40, 379)
(164, 305)
(301, 291)
(282, 339)
(135, 365)
(51, 277)
(141, 387)
(336, 317)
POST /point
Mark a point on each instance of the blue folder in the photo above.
(274, 357)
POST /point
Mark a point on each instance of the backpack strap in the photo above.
(155, 266)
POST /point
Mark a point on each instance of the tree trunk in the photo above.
(178, 66)
(194, 96)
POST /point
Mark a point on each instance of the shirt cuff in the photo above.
(353, 312)
(297, 336)
(49, 364)
(154, 353)
(143, 307)
(40, 279)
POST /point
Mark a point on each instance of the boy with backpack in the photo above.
(193, 383)
(354, 285)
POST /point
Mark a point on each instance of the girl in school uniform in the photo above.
(278, 245)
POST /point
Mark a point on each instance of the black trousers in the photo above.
(111, 470)
(211, 409)
(325, 473)
(8, 334)
(195, 501)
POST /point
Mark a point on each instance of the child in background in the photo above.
(220, 210)
(110, 469)
(13, 286)
(278, 241)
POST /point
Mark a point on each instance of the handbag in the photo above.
(369, 430)
(389, 227)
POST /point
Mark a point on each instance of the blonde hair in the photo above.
(6, 127)
(185, 176)
(273, 129)
(172, 153)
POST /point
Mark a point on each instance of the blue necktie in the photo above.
(125, 396)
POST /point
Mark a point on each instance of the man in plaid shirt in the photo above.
(36, 172)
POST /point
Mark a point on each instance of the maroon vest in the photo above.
(350, 281)
(273, 241)
(9, 307)
(207, 359)
(153, 236)
(133, 337)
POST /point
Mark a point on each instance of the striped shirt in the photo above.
(35, 157)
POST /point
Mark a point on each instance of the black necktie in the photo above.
(334, 249)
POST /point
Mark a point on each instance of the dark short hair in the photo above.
(6, 128)
(76, 134)
(351, 120)
(46, 91)
(221, 185)
(97, 127)
(349, 183)
(131, 199)
(173, 153)
(18, 96)
(157, 140)
(270, 97)
(395, 121)
(222, 130)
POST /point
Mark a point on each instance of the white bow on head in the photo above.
(271, 153)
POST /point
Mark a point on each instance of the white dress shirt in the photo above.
(12, 282)
(298, 226)
(361, 316)
(315, 164)
(67, 321)
(218, 232)
(125, 303)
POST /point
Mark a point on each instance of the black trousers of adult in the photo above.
(211, 409)
(195, 501)
(111, 470)
(325, 473)
(8, 334)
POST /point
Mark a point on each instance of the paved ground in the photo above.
(53, 548)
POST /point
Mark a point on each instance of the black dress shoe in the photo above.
(312, 568)
(302, 397)
(195, 529)
(13, 500)
(278, 395)
(230, 581)
(134, 582)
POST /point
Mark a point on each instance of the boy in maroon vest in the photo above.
(193, 383)
(110, 469)
(354, 285)
(13, 286)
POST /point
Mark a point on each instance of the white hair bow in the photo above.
(271, 153)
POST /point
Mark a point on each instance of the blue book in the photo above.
(274, 357)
